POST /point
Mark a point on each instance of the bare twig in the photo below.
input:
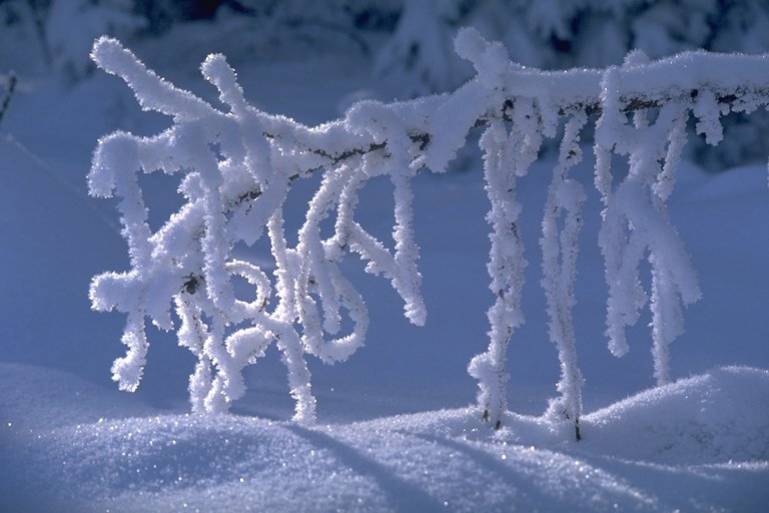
(10, 88)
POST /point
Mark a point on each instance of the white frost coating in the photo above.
(319, 273)
(451, 123)
(676, 142)
(635, 219)
(708, 113)
(501, 156)
(659, 81)
(559, 268)
(667, 315)
(526, 134)
(282, 318)
(128, 370)
(192, 334)
(375, 119)
(152, 92)
(235, 168)
(460, 112)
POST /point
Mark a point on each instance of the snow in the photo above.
(697, 444)
(714, 74)
(383, 443)
(703, 419)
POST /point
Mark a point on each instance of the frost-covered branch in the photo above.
(236, 166)
(235, 169)
(635, 219)
(559, 268)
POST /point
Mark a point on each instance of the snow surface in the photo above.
(695, 445)
(699, 444)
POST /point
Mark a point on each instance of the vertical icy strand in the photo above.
(560, 247)
(667, 315)
(192, 334)
(284, 315)
(635, 220)
(506, 266)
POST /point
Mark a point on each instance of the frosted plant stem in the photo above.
(635, 220)
(192, 334)
(665, 313)
(506, 265)
(289, 343)
(559, 256)
(667, 317)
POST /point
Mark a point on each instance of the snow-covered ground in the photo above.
(700, 444)
(69, 441)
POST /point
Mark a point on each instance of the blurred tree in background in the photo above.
(409, 42)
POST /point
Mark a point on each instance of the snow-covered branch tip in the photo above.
(236, 166)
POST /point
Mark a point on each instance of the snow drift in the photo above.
(695, 444)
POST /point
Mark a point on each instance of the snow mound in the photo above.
(666, 448)
(719, 416)
(228, 463)
(35, 398)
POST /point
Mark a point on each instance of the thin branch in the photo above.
(12, 80)
(423, 139)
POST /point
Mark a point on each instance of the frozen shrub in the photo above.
(235, 167)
